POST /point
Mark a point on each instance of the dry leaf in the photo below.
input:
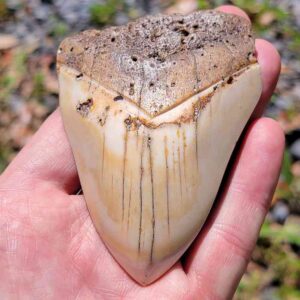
(296, 169)
(182, 7)
(267, 18)
(289, 124)
(8, 41)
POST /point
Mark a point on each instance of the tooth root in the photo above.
(149, 188)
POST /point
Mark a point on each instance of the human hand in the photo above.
(50, 249)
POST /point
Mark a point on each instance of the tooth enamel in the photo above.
(150, 178)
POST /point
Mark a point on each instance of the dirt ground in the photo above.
(30, 32)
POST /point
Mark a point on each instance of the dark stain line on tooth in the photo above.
(173, 154)
(112, 186)
(137, 130)
(179, 164)
(167, 183)
(103, 153)
(129, 202)
(141, 198)
(174, 167)
(137, 137)
(196, 142)
(152, 198)
(124, 169)
(184, 159)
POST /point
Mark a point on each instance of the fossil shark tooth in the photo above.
(153, 111)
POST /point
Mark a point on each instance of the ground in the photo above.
(30, 32)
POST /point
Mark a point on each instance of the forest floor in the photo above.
(30, 32)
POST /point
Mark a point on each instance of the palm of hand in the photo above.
(49, 235)
(50, 249)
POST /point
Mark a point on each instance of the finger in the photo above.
(47, 158)
(268, 59)
(218, 258)
(270, 63)
(230, 9)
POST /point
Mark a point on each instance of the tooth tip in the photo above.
(144, 279)
(141, 269)
(145, 276)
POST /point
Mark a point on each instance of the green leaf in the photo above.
(59, 29)
(203, 4)
(38, 86)
(102, 14)
(288, 233)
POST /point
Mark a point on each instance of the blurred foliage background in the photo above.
(30, 32)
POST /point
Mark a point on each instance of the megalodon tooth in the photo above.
(153, 111)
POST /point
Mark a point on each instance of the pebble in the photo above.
(270, 293)
(75, 12)
(272, 111)
(280, 212)
(295, 149)
(284, 103)
(293, 6)
(13, 4)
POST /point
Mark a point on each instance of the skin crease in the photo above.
(49, 248)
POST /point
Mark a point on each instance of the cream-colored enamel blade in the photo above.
(150, 183)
